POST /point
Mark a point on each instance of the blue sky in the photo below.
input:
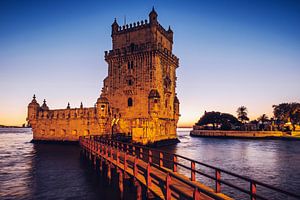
(232, 53)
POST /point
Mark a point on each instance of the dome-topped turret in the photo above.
(33, 102)
(153, 16)
(154, 94)
(115, 26)
(102, 99)
(44, 106)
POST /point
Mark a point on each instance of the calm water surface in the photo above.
(51, 171)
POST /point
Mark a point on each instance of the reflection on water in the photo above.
(36, 171)
(276, 162)
(46, 171)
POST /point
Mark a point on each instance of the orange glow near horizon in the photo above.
(16, 116)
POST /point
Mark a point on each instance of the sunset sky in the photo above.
(231, 53)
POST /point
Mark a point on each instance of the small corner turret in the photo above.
(114, 27)
(44, 106)
(153, 16)
(33, 108)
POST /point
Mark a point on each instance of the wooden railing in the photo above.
(170, 163)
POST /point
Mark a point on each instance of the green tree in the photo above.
(242, 114)
(263, 118)
(287, 112)
(223, 121)
(210, 118)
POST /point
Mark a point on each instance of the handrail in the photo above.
(218, 181)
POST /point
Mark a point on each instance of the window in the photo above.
(130, 65)
(132, 46)
(129, 82)
(130, 102)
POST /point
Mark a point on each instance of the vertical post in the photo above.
(218, 183)
(193, 174)
(133, 150)
(150, 156)
(112, 153)
(121, 186)
(174, 163)
(196, 194)
(127, 148)
(138, 190)
(106, 151)
(141, 153)
(100, 164)
(109, 173)
(135, 169)
(125, 161)
(149, 175)
(168, 189)
(253, 190)
(95, 161)
(118, 155)
(161, 159)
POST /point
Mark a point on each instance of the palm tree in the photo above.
(264, 118)
(242, 114)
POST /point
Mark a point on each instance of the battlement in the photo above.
(145, 47)
(143, 31)
(142, 25)
(132, 27)
(69, 113)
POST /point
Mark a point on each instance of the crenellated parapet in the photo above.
(143, 31)
(65, 114)
(132, 27)
(141, 48)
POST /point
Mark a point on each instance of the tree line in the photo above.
(286, 117)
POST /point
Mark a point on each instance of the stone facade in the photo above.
(138, 95)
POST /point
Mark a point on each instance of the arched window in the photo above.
(129, 82)
(130, 102)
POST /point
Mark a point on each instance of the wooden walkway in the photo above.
(148, 168)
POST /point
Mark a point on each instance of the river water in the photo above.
(53, 171)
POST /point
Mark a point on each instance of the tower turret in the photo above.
(102, 106)
(33, 109)
(114, 27)
(176, 107)
(44, 106)
(153, 16)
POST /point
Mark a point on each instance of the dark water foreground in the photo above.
(52, 171)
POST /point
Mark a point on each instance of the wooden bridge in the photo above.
(157, 172)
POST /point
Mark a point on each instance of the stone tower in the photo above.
(138, 95)
(141, 82)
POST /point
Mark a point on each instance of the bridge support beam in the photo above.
(121, 184)
(138, 187)
(109, 173)
(100, 164)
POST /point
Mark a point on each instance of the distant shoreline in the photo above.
(243, 134)
(4, 126)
